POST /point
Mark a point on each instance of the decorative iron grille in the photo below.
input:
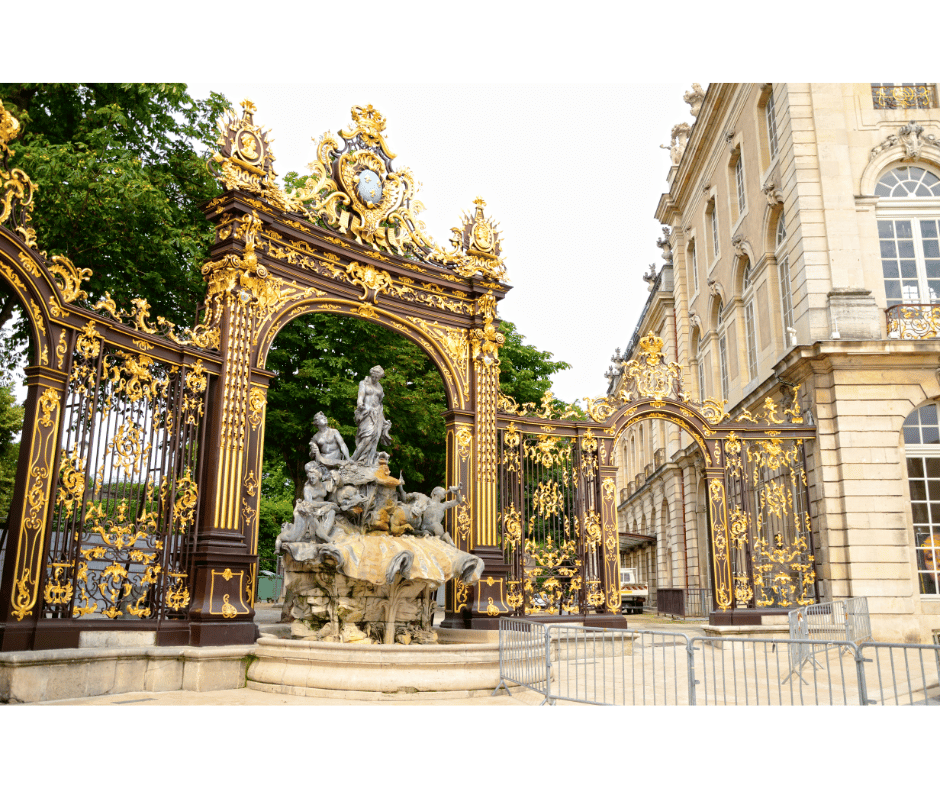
(913, 321)
(769, 529)
(551, 522)
(126, 494)
(907, 95)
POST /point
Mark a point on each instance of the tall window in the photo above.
(910, 245)
(922, 452)
(739, 182)
(693, 268)
(749, 327)
(713, 222)
(786, 297)
(771, 125)
(723, 353)
(701, 368)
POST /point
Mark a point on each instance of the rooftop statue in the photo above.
(363, 557)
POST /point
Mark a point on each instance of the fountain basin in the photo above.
(370, 671)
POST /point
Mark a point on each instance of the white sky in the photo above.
(572, 173)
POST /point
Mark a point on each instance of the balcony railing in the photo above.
(913, 321)
(912, 95)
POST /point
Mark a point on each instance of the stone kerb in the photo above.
(61, 674)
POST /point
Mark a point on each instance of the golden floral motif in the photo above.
(71, 482)
(464, 443)
(68, 278)
(58, 590)
(177, 596)
(369, 279)
(228, 609)
(256, 402)
(184, 509)
(512, 526)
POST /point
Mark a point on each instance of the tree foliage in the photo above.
(11, 424)
(319, 361)
(121, 172)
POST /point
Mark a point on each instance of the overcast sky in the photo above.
(572, 173)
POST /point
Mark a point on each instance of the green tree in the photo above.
(525, 371)
(121, 172)
(11, 424)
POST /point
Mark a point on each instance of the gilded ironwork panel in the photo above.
(125, 498)
(552, 526)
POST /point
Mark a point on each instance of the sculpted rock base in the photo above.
(326, 605)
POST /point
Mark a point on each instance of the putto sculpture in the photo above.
(363, 558)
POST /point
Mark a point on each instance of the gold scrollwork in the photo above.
(256, 402)
(228, 610)
(464, 443)
(650, 377)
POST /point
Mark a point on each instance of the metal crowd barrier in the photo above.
(617, 667)
(824, 624)
(524, 655)
(900, 674)
(642, 667)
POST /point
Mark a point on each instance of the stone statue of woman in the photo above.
(371, 425)
(327, 449)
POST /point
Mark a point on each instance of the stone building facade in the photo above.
(802, 253)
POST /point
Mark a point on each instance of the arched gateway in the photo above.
(136, 499)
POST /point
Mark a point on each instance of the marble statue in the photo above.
(371, 425)
(363, 557)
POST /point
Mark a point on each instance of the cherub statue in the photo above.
(431, 523)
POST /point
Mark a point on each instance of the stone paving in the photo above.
(267, 616)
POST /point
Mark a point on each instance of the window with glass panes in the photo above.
(749, 327)
(739, 181)
(786, 300)
(786, 297)
(910, 245)
(713, 220)
(693, 268)
(723, 356)
(771, 125)
(922, 452)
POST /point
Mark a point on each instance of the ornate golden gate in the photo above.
(558, 508)
(136, 499)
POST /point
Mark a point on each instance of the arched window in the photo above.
(786, 294)
(750, 331)
(922, 452)
(908, 182)
(909, 235)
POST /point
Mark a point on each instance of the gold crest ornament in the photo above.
(244, 159)
(354, 189)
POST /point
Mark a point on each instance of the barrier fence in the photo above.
(643, 667)
(684, 602)
(824, 623)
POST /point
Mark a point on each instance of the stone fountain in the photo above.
(363, 558)
(363, 561)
